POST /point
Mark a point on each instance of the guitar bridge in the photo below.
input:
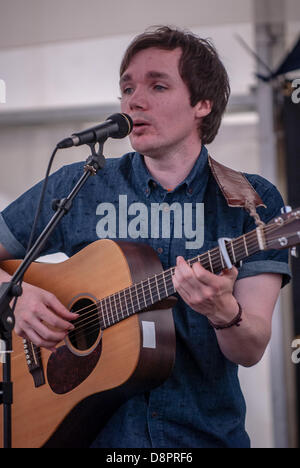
(34, 363)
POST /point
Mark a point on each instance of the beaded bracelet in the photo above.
(236, 321)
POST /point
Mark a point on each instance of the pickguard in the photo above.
(65, 370)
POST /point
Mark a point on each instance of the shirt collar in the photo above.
(194, 182)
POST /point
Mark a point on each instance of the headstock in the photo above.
(283, 231)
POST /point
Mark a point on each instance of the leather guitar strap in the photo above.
(236, 189)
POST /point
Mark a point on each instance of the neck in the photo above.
(151, 290)
(171, 169)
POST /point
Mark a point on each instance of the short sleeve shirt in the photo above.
(201, 403)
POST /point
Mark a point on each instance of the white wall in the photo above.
(24, 23)
(86, 72)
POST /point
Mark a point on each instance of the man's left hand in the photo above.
(209, 294)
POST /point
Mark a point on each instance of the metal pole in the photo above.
(269, 36)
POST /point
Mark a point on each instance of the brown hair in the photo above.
(200, 68)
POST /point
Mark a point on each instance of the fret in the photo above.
(102, 315)
(165, 284)
(129, 289)
(210, 262)
(245, 245)
(251, 244)
(106, 311)
(222, 259)
(125, 300)
(233, 254)
(152, 302)
(116, 308)
(120, 304)
(157, 287)
(168, 276)
(145, 302)
(111, 309)
(111, 318)
(137, 296)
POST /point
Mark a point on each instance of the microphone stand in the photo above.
(12, 290)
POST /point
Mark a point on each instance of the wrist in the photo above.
(220, 324)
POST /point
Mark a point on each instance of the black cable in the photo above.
(37, 214)
(41, 200)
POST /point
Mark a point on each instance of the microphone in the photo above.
(115, 126)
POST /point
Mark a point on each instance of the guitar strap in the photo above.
(236, 189)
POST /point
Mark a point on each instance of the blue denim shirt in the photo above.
(201, 403)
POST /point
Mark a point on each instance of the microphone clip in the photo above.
(96, 160)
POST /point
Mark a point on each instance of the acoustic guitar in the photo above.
(124, 339)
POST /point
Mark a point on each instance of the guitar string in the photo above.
(129, 309)
(160, 283)
(105, 314)
(108, 315)
(139, 290)
(214, 254)
(133, 305)
(89, 328)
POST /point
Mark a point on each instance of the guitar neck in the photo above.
(142, 295)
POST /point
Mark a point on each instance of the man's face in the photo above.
(158, 101)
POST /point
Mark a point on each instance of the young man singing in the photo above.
(175, 89)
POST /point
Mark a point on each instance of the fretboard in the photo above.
(140, 296)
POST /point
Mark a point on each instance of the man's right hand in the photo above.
(39, 315)
(41, 318)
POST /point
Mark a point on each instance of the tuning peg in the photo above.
(294, 252)
(286, 209)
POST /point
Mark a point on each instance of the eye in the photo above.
(159, 87)
(126, 91)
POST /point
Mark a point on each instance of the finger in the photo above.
(193, 294)
(56, 306)
(216, 282)
(205, 276)
(188, 283)
(36, 339)
(179, 288)
(45, 332)
(51, 318)
(189, 272)
(231, 273)
(183, 271)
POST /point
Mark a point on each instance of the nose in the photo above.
(138, 100)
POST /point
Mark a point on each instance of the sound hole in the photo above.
(87, 326)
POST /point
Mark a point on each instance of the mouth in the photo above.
(140, 124)
(140, 127)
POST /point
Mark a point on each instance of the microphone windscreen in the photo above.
(125, 125)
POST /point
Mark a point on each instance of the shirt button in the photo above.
(154, 414)
(160, 250)
(190, 190)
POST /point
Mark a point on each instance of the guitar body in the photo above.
(85, 383)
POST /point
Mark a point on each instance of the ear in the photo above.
(203, 108)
